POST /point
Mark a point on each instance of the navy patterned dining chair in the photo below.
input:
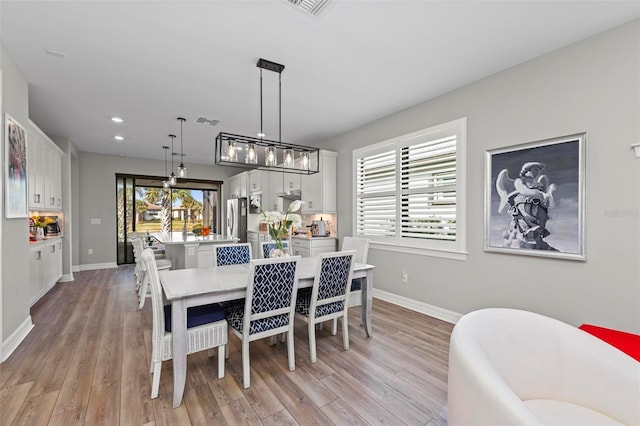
(268, 307)
(232, 254)
(328, 298)
(266, 247)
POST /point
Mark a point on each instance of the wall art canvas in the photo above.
(534, 198)
(15, 177)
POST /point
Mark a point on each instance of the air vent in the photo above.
(312, 7)
(204, 120)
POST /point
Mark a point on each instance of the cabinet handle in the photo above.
(36, 198)
(53, 201)
(310, 204)
(59, 202)
(39, 254)
(53, 249)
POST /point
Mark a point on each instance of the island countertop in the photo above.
(178, 238)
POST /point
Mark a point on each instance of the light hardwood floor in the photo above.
(87, 362)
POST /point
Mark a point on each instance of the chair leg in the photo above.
(312, 341)
(283, 337)
(334, 327)
(157, 367)
(291, 353)
(345, 332)
(211, 352)
(226, 350)
(246, 378)
(221, 351)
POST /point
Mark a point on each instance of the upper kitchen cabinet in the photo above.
(44, 168)
(238, 185)
(319, 189)
(256, 178)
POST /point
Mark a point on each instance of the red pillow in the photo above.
(627, 342)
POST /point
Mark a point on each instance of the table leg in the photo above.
(179, 331)
(367, 302)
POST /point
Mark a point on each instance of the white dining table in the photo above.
(201, 286)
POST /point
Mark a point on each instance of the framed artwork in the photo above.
(15, 175)
(534, 198)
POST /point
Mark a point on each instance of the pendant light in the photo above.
(165, 182)
(182, 170)
(172, 177)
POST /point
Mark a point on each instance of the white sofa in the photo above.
(512, 367)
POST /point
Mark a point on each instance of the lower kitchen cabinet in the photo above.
(307, 247)
(45, 267)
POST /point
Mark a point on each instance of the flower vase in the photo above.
(39, 234)
(279, 253)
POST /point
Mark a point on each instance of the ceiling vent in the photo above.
(204, 120)
(311, 7)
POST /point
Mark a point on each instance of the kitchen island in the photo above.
(191, 251)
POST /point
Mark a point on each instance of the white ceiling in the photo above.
(150, 62)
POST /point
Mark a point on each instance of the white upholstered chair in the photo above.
(206, 327)
(327, 299)
(513, 367)
(268, 307)
(142, 278)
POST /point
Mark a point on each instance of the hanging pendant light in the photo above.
(165, 182)
(172, 177)
(182, 170)
(257, 152)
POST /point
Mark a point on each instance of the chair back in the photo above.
(232, 254)
(271, 293)
(360, 245)
(138, 248)
(157, 301)
(331, 284)
(266, 247)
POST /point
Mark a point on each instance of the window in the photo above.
(409, 191)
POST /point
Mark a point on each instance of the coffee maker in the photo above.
(53, 228)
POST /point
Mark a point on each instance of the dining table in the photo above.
(200, 286)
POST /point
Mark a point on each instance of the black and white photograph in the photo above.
(535, 198)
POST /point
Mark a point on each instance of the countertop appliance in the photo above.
(53, 228)
(320, 228)
(237, 219)
(255, 202)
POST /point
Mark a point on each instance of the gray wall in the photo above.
(97, 198)
(15, 232)
(592, 86)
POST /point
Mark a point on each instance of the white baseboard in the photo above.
(66, 278)
(424, 308)
(94, 266)
(12, 342)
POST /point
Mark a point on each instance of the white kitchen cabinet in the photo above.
(271, 199)
(44, 168)
(256, 178)
(45, 267)
(238, 185)
(291, 182)
(319, 189)
(307, 247)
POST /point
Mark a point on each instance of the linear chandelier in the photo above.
(260, 153)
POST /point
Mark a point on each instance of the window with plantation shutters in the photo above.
(409, 191)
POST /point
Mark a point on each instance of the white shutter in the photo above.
(428, 182)
(376, 194)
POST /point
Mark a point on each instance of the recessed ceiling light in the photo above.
(117, 119)
(118, 138)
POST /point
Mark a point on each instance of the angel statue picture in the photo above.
(534, 198)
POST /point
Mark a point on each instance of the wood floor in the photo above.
(87, 362)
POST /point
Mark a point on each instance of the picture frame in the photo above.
(15, 169)
(534, 198)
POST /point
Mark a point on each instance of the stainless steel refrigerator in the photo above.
(237, 219)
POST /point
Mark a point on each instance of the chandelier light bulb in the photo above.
(288, 158)
(304, 160)
(172, 179)
(165, 184)
(269, 156)
(252, 156)
(232, 153)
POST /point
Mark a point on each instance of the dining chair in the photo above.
(327, 299)
(268, 307)
(361, 246)
(232, 254)
(142, 278)
(206, 327)
(266, 247)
